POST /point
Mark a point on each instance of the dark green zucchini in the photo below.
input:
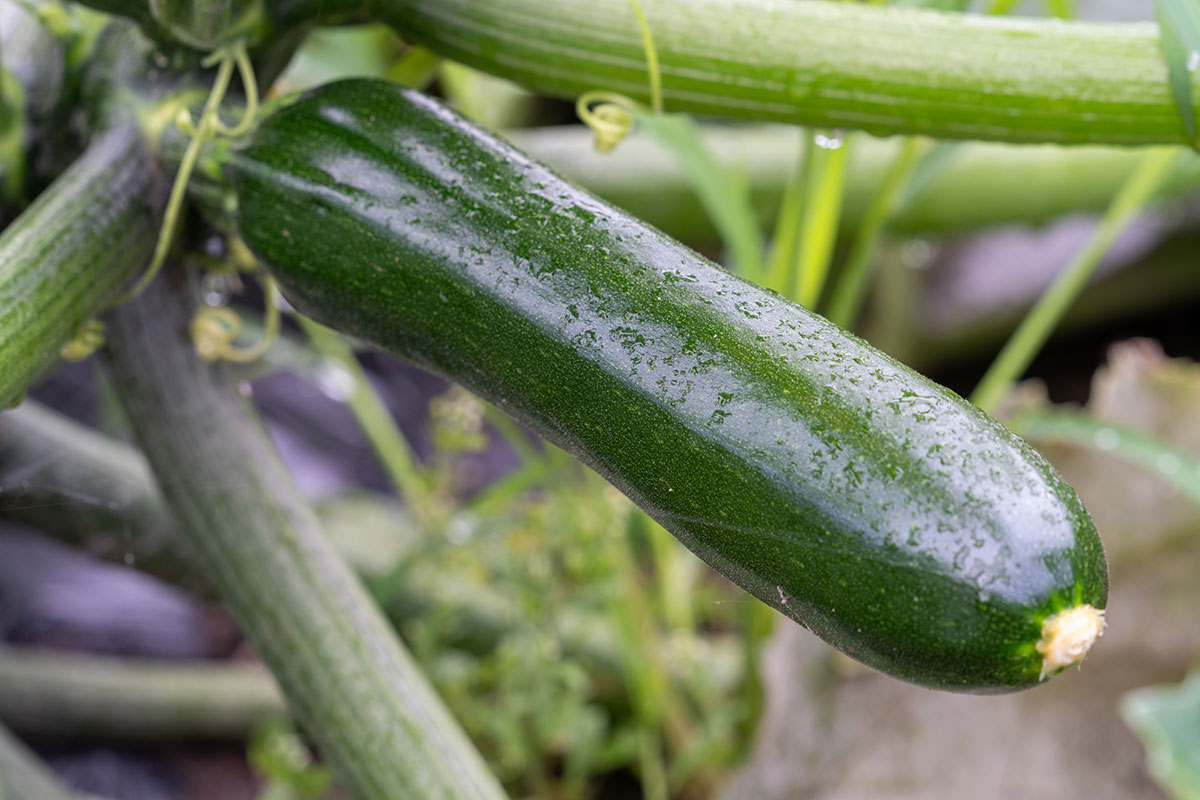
(872, 506)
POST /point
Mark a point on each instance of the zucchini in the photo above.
(874, 507)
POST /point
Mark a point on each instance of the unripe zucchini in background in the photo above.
(876, 508)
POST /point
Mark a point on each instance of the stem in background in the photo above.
(825, 65)
(851, 287)
(1006, 183)
(1035, 329)
(24, 777)
(819, 221)
(200, 133)
(806, 229)
(77, 697)
(347, 678)
(652, 69)
(1063, 9)
(61, 260)
(373, 417)
(784, 240)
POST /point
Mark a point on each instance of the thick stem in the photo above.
(75, 697)
(347, 678)
(70, 251)
(1005, 183)
(88, 489)
(832, 65)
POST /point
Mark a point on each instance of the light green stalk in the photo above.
(391, 448)
(1036, 328)
(852, 281)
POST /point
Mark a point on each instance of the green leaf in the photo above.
(1167, 720)
(1179, 23)
(724, 193)
(1177, 467)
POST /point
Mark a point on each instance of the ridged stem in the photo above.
(71, 250)
(347, 678)
(76, 697)
(832, 65)
(89, 489)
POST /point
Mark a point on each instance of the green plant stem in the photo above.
(720, 188)
(89, 489)
(376, 422)
(806, 229)
(826, 65)
(785, 239)
(852, 282)
(1005, 183)
(61, 260)
(348, 680)
(77, 697)
(1063, 9)
(24, 777)
(819, 222)
(204, 130)
(1036, 328)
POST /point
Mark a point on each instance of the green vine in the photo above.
(609, 114)
(208, 127)
(215, 329)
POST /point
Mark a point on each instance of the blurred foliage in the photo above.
(1167, 719)
(572, 552)
(278, 754)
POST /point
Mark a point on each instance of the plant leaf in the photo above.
(1167, 720)
(1179, 24)
(1177, 467)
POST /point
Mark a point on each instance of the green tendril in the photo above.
(214, 330)
(610, 115)
(200, 132)
(89, 339)
(249, 86)
(656, 105)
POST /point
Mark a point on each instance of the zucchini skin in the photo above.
(874, 507)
